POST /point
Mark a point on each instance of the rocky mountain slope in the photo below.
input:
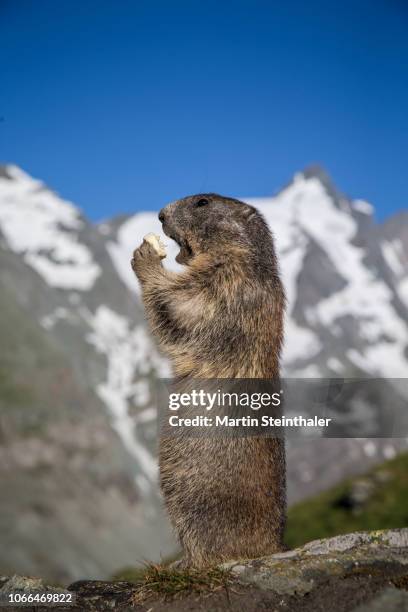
(78, 368)
(76, 372)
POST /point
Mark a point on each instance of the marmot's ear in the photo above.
(248, 212)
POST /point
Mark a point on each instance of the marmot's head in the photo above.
(208, 223)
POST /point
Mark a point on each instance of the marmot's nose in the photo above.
(161, 215)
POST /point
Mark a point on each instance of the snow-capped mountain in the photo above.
(77, 413)
(45, 230)
(78, 367)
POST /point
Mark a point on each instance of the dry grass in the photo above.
(163, 581)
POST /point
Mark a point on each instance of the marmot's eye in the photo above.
(202, 202)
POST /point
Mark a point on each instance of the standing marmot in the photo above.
(222, 317)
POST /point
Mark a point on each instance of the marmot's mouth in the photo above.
(186, 252)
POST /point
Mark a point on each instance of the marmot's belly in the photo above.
(242, 477)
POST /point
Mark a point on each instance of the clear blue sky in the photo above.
(124, 105)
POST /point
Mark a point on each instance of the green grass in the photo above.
(330, 513)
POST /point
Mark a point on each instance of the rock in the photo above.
(356, 572)
(301, 570)
(397, 537)
(25, 585)
(388, 600)
(21, 583)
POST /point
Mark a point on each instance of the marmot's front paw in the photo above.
(155, 241)
(149, 253)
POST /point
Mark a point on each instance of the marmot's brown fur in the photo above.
(222, 317)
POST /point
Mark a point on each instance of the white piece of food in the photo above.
(156, 243)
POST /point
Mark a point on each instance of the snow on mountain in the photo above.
(394, 245)
(131, 356)
(44, 228)
(306, 212)
(363, 207)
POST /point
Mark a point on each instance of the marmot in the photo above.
(221, 317)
